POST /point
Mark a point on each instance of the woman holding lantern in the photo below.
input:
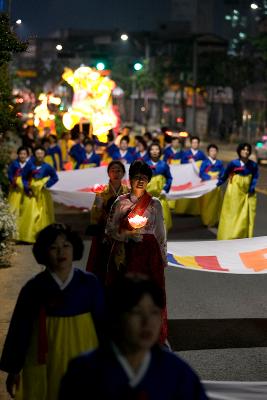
(137, 234)
(99, 214)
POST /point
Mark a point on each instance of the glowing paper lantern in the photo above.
(137, 221)
(92, 101)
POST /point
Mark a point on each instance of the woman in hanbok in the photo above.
(124, 153)
(211, 203)
(65, 144)
(195, 156)
(54, 152)
(161, 181)
(97, 261)
(58, 315)
(239, 204)
(91, 159)
(141, 150)
(16, 190)
(174, 153)
(132, 365)
(37, 210)
(137, 246)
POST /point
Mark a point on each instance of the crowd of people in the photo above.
(39, 160)
(115, 311)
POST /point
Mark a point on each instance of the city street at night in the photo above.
(133, 198)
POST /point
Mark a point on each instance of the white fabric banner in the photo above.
(76, 188)
(235, 390)
(240, 256)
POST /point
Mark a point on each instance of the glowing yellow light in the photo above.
(92, 101)
(42, 115)
(137, 221)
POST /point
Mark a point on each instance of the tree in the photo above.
(9, 44)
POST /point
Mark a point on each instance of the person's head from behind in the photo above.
(135, 322)
(88, 146)
(23, 153)
(52, 140)
(244, 151)
(139, 174)
(212, 151)
(124, 143)
(57, 247)
(195, 141)
(116, 171)
(147, 137)
(66, 136)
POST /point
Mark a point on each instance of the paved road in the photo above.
(219, 320)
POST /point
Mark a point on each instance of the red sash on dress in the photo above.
(139, 209)
(235, 170)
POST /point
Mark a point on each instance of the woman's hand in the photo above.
(12, 384)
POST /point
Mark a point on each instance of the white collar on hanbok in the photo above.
(194, 152)
(89, 155)
(62, 285)
(134, 377)
(242, 163)
(212, 160)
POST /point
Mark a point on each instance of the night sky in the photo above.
(42, 18)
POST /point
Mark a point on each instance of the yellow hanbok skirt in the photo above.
(210, 205)
(15, 197)
(188, 206)
(154, 188)
(85, 166)
(37, 211)
(238, 210)
(67, 337)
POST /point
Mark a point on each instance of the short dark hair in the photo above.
(126, 138)
(88, 141)
(212, 146)
(140, 167)
(148, 134)
(195, 138)
(128, 290)
(23, 148)
(155, 144)
(39, 148)
(54, 137)
(142, 141)
(116, 162)
(48, 235)
(241, 146)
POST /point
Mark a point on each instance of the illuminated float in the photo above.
(92, 101)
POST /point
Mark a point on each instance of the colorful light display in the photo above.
(92, 101)
(43, 117)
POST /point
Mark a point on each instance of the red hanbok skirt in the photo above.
(144, 258)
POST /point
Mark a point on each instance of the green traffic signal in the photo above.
(138, 66)
(100, 66)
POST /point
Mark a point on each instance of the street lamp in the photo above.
(19, 22)
(59, 47)
(124, 37)
(254, 6)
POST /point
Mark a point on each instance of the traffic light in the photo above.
(138, 66)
